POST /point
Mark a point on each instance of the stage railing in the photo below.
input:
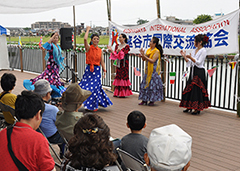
(222, 86)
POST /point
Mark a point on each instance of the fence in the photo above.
(222, 86)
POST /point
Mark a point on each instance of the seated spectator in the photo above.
(42, 88)
(90, 147)
(29, 146)
(135, 143)
(169, 149)
(72, 100)
(8, 82)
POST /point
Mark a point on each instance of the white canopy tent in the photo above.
(35, 6)
(4, 64)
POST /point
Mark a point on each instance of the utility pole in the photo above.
(113, 69)
(158, 9)
(74, 76)
(238, 102)
(163, 64)
(109, 9)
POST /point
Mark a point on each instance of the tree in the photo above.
(202, 19)
(82, 35)
(141, 21)
(27, 28)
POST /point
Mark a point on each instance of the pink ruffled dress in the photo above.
(121, 81)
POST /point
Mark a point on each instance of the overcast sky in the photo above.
(123, 12)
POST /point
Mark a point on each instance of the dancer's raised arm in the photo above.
(86, 45)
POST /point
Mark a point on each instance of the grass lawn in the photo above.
(35, 40)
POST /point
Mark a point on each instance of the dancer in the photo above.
(151, 87)
(195, 95)
(55, 65)
(121, 81)
(91, 79)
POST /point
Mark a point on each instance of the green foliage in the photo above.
(48, 35)
(202, 19)
(82, 35)
(27, 28)
(141, 21)
(35, 39)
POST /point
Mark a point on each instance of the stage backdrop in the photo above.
(222, 33)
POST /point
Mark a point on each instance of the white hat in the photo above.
(169, 148)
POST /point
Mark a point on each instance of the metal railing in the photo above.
(222, 86)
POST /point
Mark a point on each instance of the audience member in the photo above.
(30, 147)
(135, 143)
(42, 88)
(8, 82)
(72, 100)
(169, 149)
(90, 147)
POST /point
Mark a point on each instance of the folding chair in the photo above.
(2, 121)
(6, 108)
(131, 162)
(118, 165)
(60, 160)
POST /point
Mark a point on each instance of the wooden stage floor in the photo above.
(215, 133)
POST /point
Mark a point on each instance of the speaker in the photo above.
(66, 38)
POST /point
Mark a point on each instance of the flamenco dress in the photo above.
(121, 82)
(195, 95)
(55, 65)
(91, 81)
(151, 87)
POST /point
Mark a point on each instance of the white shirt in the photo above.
(199, 57)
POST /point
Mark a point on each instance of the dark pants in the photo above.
(57, 139)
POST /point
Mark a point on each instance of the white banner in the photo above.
(222, 33)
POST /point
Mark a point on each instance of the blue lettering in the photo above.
(190, 42)
(220, 38)
(158, 36)
(178, 41)
(146, 39)
(137, 41)
(130, 41)
(167, 41)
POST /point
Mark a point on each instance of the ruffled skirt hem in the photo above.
(121, 82)
(123, 92)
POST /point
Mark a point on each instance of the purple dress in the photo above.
(154, 92)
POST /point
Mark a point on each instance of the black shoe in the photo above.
(187, 110)
(195, 112)
(61, 155)
(142, 103)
